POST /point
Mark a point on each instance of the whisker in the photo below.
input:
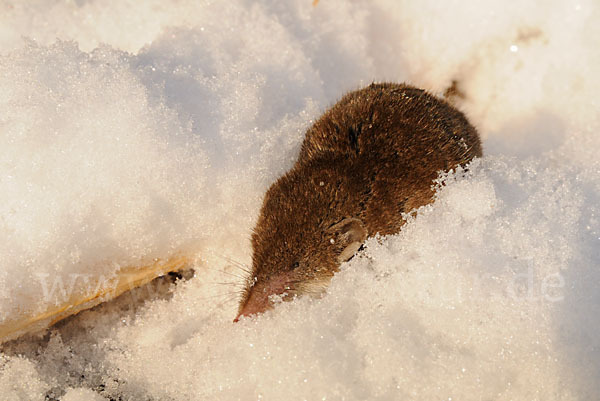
(235, 263)
(226, 294)
(225, 283)
(228, 299)
(226, 272)
(222, 303)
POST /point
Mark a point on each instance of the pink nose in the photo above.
(258, 298)
(244, 313)
(257, 302)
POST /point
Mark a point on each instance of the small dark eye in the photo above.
(295, 265)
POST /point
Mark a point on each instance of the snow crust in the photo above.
(139, 130)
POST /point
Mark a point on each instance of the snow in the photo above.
(140, 130)
(82, 394)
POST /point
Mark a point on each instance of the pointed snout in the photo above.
(253, 309)
(258, 301)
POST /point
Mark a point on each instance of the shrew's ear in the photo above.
(348, 235)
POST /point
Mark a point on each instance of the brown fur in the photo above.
(369, 158)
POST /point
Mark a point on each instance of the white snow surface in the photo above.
(136, 130)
